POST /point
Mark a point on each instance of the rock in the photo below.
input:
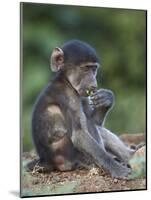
(115, 180)
(138, 163)
(93, 171)
(140, 152)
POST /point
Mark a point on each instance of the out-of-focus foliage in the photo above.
(119, 37)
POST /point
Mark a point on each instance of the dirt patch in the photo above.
(78, 181)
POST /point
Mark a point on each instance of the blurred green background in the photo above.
(119, 37)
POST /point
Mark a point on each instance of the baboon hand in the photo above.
(103, 98)
(121, 171)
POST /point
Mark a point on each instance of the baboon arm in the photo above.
(84, 142)
(98, 115)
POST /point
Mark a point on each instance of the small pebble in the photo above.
(115, 180)
(36, 181)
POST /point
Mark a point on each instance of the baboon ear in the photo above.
(57, 59)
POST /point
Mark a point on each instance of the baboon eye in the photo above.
(86, 68)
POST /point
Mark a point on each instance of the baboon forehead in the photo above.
(77, 52)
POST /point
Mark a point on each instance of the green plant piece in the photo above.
(89, 92)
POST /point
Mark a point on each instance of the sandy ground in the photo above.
(80, 180)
